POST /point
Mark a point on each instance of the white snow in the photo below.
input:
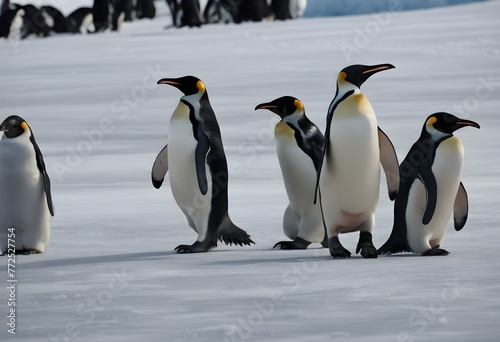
(110, 273)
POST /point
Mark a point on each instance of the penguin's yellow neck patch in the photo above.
(200, 86)
(283, 130)
(24, 125)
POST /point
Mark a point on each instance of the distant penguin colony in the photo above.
(25, 196)
(20, 22)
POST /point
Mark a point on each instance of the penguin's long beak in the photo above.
(168, 81)
(373, 69)
(266, 106)
(463, 123)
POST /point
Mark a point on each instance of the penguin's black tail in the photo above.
(231, 234)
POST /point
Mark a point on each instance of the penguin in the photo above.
(58, 22)
(12, 23)
(34, 22)
(25, 196)
(191, 13)
(145, 9)
(430, 189)
(299, 143)
(100, 15)
(122, 11)
(81, 20)
(198, 173)
(349, 171)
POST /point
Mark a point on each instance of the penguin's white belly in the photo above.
(182, 172)
(350, 178)
(299, 175)
(446, 168)
(23, 203)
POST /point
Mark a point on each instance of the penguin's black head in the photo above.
(282, 106)
(446, 123)
(14, 126)
(189, 85)
(357, 74)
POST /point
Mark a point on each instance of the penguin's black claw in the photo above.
(365, 245)
(298, 243)
(435, 251)
(337, 250)
(369, 252)
(27, 251)
(194, 248)
(3, 254)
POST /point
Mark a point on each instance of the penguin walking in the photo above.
(25, 197)
(349, 171)
(299, 143)
(430, 189)
(198, 173)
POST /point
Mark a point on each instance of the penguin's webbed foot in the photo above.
(336, 249)
(435, 251)
(27, 251)
(365, 245)
(4, 253)
(197, 247)
(298, 243)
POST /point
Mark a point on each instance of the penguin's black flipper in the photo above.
(427, 177)
(160, 168)
(41, 166)
(390, 164)
(460, 208)
(231, 234)
(200, 159)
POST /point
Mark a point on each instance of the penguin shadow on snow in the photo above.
(97, 259)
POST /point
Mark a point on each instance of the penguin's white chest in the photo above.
(182, 168)
(447, 167)
(23, 203)
(297, 168)
(351, 175)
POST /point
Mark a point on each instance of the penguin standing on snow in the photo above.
(12, 23)
(100, 15)
(299, 143)
(198, 168)
(349, 170)
(430, 189)
(25, 198)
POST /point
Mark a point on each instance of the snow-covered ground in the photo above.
(110, 273)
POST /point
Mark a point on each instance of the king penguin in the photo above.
(349, 171)
(198, 173)
(25, 197)
(298, 143)
(430, 189)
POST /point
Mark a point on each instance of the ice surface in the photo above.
(110, 273)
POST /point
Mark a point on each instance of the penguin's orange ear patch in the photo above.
(431, 121)
(200, 86)
(24, 125)
(298, 104)
(342, 76)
